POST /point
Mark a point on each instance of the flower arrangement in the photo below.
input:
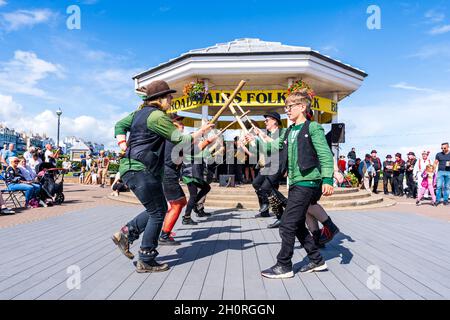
(301, 86)
(196, 91)
(352, 179)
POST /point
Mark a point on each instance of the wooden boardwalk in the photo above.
(221, 258)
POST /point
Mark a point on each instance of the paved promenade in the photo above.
(222, 256)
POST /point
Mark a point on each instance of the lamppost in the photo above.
(58, 113)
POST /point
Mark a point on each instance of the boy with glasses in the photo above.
(310, 167)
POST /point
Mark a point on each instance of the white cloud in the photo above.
(99, 130)
(116, 83)
(441, 50)
(434, 16)
(16, 20)
(411, 123)
(23, 73)
(440, 29)
(3, 3)
(405, 86)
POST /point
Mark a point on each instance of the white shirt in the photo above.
(34, 164)
(47, 154)
(66, 165)
(27, 173)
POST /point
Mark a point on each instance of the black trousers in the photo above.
(195, 195)
(293, 225)
(387, 178)
(376, 179)
(411, 184)
(398, 184)
(149, 190)
(263, 184)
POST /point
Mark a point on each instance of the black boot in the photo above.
(328, 232)
(165, 239)
(263, 207)
(187, 220)
(147, 262)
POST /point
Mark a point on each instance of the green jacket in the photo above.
(315, 176)
(159, 123)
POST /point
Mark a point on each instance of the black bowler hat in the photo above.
(388, 156)
(157, 89)
(274, 115)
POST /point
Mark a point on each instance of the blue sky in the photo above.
(403, 105)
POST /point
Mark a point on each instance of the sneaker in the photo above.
(166, 239)
(314, 267)
(417, 203)
(120, 239)
(445, 203)
(278, 272)
(188, 221)
(434, 204)
(327, 235)
(274, 225)
(151, 266)
(6, 212)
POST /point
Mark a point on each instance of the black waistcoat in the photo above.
(145, 145)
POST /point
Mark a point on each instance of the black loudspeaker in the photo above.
(338, 133)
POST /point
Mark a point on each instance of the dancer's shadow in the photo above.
(203, 249)
(333, 249)
(204, 233)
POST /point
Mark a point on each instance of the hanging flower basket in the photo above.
(196, 91)
(301, 86)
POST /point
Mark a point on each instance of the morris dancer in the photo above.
(310, 170)
(172, 190)
(268, 177)
(142, 170)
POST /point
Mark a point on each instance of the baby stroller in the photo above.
(52, 182)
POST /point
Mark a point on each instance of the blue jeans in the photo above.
(149, 190)
(31, 190)
(443, 186)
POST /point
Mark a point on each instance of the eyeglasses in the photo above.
(290, 106)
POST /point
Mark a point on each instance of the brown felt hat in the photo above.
(157, 89)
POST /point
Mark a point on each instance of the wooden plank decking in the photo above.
(221, 258)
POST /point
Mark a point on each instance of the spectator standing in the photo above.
(8, 154)
(377, 167)
(67, 164)
(342, 164)
(35, 162)
(442, 163)
(355, 169)
(88, 161)
(421, 165)
(50, 156)
(367, 171)
(410, 181)
(398, 174)
(28, 155)
(352, 155)
(428, 183)
(388, 167)
(103, 167)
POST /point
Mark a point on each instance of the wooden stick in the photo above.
(238, 118)
(228, 102)
(247, 118)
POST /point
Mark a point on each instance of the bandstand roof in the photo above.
(262, 64)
